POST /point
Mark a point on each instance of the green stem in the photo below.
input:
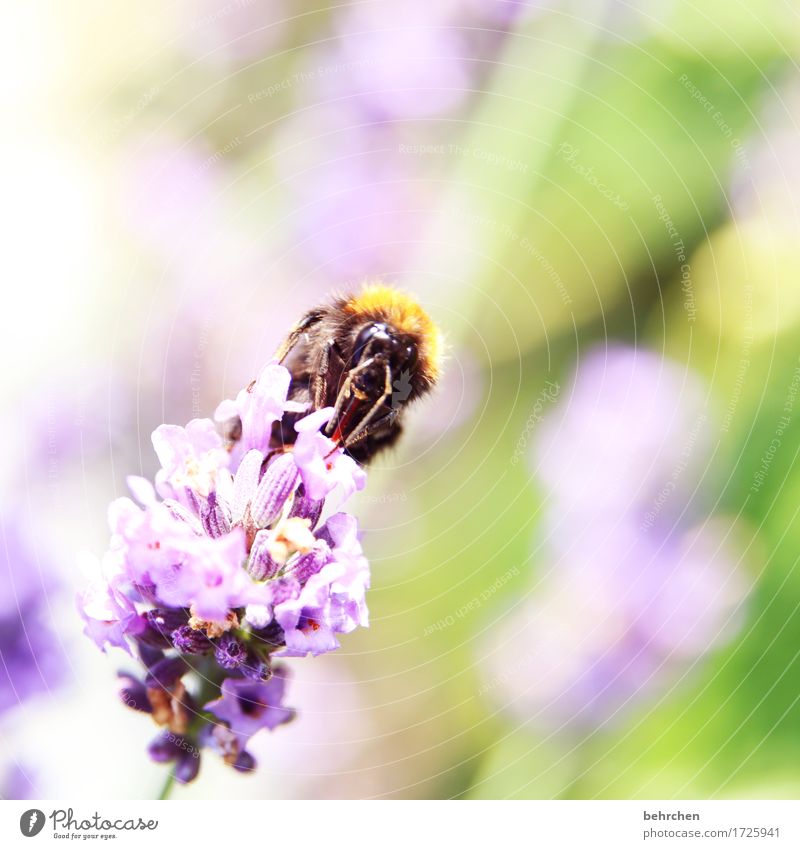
(166, 790)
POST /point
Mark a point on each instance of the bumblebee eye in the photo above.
(363, 339)
(412, 355)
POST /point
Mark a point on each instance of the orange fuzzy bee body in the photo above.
(367, 355)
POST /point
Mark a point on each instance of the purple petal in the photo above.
(245, 483)
(315, 421)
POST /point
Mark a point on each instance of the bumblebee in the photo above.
(367, 355)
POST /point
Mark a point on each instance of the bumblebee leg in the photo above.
(319, 380)
(372, 428)
(342, 396)
(337, 407)
(335, 350)
(373, 411)
(375, 443)
(295, 334)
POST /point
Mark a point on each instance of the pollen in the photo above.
(399, 309)
(290, 536)
(213, 629)
(200, 473)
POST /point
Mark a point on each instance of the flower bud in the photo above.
(230, 652)
(278, 483)
(304, 507)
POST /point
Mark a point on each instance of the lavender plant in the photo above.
(32, 662)
(225, 565)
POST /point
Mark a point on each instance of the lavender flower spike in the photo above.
(223, 565)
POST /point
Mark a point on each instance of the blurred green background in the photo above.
(550, 179)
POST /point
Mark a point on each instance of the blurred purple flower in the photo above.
(72, 415)
(231, 31)
(649, 418)
(202, 267)
(357, 203)
(404, 61)
(168, 195)
(500, 12)
(615, 622)
(360, 219)
(30, 659)
(19, 783)
(640, 585)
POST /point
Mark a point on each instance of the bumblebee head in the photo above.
(391, 328)
(392, 356)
